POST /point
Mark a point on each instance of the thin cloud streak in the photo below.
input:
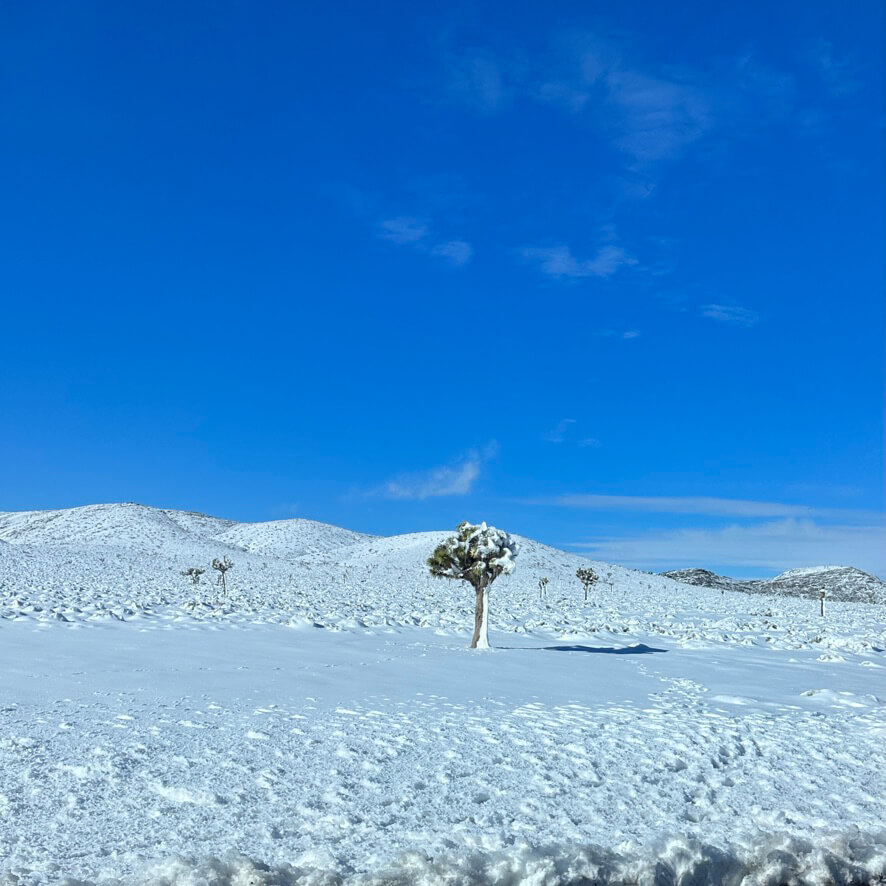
(777, 545)
(557, 434)
(731, 314)
(402, 230)
(415, 233)
(457, 252)
(560, 263)
(699, 505)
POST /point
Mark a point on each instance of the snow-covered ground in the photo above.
(326, 722)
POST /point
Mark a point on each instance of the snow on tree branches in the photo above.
(588, 578)
(477, 554)
(222, 566)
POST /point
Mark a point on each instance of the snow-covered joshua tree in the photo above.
(477, 554)
(222, 566)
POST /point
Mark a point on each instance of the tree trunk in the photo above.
(479, 594)
(480, 640)
(483, 642)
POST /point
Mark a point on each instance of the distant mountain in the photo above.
(842, 583)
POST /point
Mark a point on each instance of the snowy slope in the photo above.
(143, 529)
(126, 525)
(289, 538)
(326, 720)
(844, 583)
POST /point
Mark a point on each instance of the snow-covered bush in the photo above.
(477, 554)
(193, 573)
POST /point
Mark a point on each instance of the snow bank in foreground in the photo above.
(854, 858)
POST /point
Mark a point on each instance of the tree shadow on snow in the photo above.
(639, 649)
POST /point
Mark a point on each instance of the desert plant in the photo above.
(587, 577)
(543, 583)
(222, 566)
(193, 573)
(476, 554)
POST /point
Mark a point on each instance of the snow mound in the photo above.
(849, 859)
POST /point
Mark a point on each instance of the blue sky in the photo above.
(607, 275)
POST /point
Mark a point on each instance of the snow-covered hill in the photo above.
(290, 538)
(126, 525)
(143, 529)
(843, 583)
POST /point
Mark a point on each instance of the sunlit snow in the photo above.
(326, 722)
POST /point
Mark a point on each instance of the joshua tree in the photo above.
(821, 596)
(543, 583)
(477, 554)
(193, 573)
(588, 578)
(222, 566)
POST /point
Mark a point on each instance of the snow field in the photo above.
(384, 756)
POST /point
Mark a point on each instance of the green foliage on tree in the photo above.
(476, 554)
(587, 577)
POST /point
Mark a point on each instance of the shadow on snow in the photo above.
(639, 649)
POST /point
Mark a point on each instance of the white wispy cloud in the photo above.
(557, 434)
(456, 252)
(649, 111)
(655, 118)
(457, 478)
(700, 505)
(779, 544)
(402, 230)
(732, 314)
(417, 235)
(625, 334)
(560, 263)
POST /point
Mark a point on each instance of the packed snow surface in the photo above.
(325, 722)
